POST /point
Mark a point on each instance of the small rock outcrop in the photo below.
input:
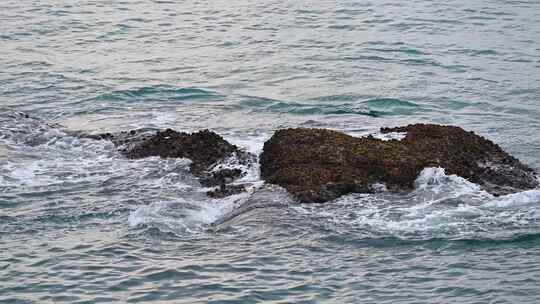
(319, 165)
(204, 148)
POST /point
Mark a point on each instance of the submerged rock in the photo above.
(319, 165)
(220, 177)
(225, 190)
(123, 138)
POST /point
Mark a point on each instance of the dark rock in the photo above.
(204, 148)
(121, 139)
(104, 136)
(319, 165)
(224, 176)
(470, 156)
(226, 190)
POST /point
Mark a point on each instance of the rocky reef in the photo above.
(319, 165)
(205, 149)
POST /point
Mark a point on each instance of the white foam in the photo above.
(429, 177)
(66, 160)
(24, 175)
(390, 136)
(379, 187)
(252, 144)
(182, 215)
(441, 206)
(520, 199)
(436, 180)
(378, 135)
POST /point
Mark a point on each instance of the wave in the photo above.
(158, 92)
(441, 207)
(44, 165)
(374, 107)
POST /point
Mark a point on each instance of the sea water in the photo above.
(79, 223)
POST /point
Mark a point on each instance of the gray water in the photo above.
(81, 224)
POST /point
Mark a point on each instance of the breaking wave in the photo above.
(44, 162)
(441, 207)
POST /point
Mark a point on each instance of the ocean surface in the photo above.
(81, 224)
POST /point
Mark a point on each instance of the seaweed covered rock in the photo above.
(205, 149)
(470, 156)
(319, 165)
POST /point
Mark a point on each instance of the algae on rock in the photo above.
(319, 165)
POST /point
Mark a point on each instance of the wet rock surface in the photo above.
(225, 190)
(470, 156)
(205, 149)
(319, 165)
(220, 177)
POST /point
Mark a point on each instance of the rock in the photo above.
(470, 156)
(225, 190)
(319, 165)
(220, 177)
(205, 149)
(123, 138)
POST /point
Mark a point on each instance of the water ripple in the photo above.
(81, 224)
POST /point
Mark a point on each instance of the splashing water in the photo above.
(441, 206)
(79, 223)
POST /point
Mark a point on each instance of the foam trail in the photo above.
(178, 216)
(182, 215)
